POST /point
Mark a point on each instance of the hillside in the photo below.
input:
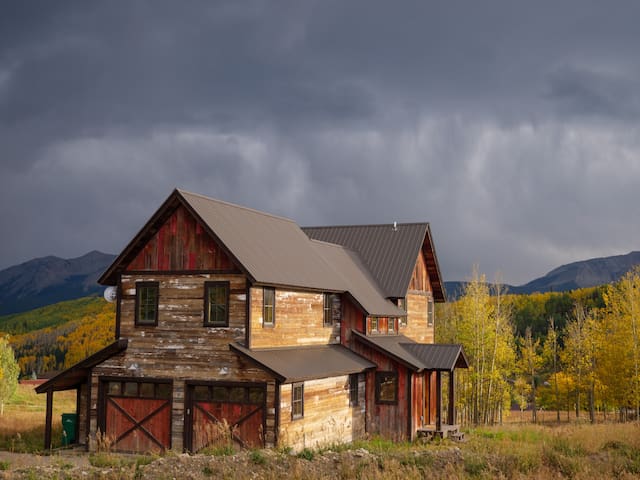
(57, 336)
(582, 274)
(48, 280)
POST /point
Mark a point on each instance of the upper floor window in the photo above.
(430, 309)
(402, 304)
(327, 312)
(216, 304)
(268, 307)
(297, 400)
(382, 325)
(147, 303)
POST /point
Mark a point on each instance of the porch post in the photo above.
(451, 414)
(438, 401)
(47, 421)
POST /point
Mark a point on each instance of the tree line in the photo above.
(569, 352)
(59, 347)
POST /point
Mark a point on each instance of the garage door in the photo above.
(137, 415)
(221, 414)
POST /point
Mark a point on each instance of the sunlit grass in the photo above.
(22, 425)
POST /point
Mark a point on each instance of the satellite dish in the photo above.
(110, 294)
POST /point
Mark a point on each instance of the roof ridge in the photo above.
(235, 205)
(399, 224)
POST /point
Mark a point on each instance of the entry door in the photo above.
(221, 414)
(137, 415)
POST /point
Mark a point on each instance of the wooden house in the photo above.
(230, 320)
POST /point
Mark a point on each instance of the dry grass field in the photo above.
(515, 450)
(22, 425)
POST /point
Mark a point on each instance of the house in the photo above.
(231, 319)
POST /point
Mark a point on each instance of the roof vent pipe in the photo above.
(395, 226)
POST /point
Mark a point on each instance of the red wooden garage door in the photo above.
(222, 414)
(137, 415)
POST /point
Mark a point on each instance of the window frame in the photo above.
(354, 385)
(380, 377)
(140, 286)
(271, 292)
(431, 310)
(207, 304)
(401, 302)
(327, 312)
(297, 402)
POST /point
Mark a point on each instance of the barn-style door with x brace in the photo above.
(137, 415)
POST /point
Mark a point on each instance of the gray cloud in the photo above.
(512, 127)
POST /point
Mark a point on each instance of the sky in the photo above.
(513, 127)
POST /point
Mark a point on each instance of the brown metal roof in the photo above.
(354, 277)
(417, 356)
(271, 250)
(78, 373)
(389, 253)
(306, 363)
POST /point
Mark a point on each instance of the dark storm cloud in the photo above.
(511, 126)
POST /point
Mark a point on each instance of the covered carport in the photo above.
(77, 377)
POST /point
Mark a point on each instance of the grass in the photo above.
(22, 425)
(576, 451)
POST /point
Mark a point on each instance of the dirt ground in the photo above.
(262, 464)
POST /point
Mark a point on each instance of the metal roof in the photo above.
(306, 363)
(78, 373)
(271, 250)
(356, 279)
(389, 251)
(417, 356)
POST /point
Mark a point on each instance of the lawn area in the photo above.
(516, 450)
(22, 425)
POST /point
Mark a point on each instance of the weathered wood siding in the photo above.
(181, 244)
(180, 347)
(298, 321)
(420, 277)
(417, 327)
(389, 421)
(328, 417)
(352, 319)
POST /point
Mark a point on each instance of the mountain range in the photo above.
(581, 274)
(47, 280)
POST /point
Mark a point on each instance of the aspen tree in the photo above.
(9, 372)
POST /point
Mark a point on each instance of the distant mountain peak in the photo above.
(580, 274)
(51, 279)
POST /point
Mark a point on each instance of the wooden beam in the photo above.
(438, 401)
(451, 414)
(47, 421)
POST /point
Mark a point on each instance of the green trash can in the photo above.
(69, 422)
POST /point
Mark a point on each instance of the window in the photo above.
(216, 304)
(269, 307)
(402, 303)
(297, 400)
(430, 310)
(147, 303)
(374, 324)
(328, 310)
(392, 325)
(136, 388)
(353, 389)
(387, 387)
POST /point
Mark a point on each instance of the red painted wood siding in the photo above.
(181, 244)
(389, 421)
